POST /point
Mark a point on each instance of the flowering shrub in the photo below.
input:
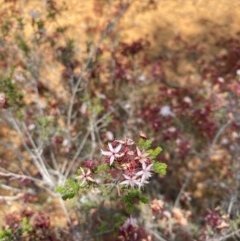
(127, 167)
(68, 90)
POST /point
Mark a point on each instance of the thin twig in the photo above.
(156, 235)
(91, 56)
(237, 233)
(70, 167)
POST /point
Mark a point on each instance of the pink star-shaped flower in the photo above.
(145, 172)
(141, 156)
(113, 153)
(131, 181)
(85, 176)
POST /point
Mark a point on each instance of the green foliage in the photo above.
(69, 191)
(103, 227)
(61, 29)
(40, 25)
(131, 197)
(5, 28)
(26, 226)
(6, 235)
(68, 52)
(45, 121)
(95, 106)
(160, 168)
(21, 231)
(10, 90)
(46, 126)
(118, 220)
(105, 190)
(22, 44)
(20, 23)
(51, 15)
(144, 144)
(102, 167)
(154, 153)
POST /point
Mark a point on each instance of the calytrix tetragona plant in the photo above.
(126, 167)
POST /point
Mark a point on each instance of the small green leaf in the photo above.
(68, 196)
(144, 144)
(61, 189)
(70, 190)
(72, 183)
(160, 168)
(6, 234)
(26, 226)
(143, 199)
(154, 153)
(129, 208)
(103, 167)
(45, 121)
(131, 197)
(103, 227)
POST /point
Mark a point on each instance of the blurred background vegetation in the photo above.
(154, 53)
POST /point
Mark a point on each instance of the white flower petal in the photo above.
(79, 177)
(130, 142)
(143, 180)
(118, 148)
(110, 147)
(149, 167)
(136, 182)
(139, 173)
(143, 165)
(126, 182)
(126, 176)
(138, 152)
(82, 182)
(106, 153)
(111, 160)
(90, 179)
(119, 155)
(143, 160)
